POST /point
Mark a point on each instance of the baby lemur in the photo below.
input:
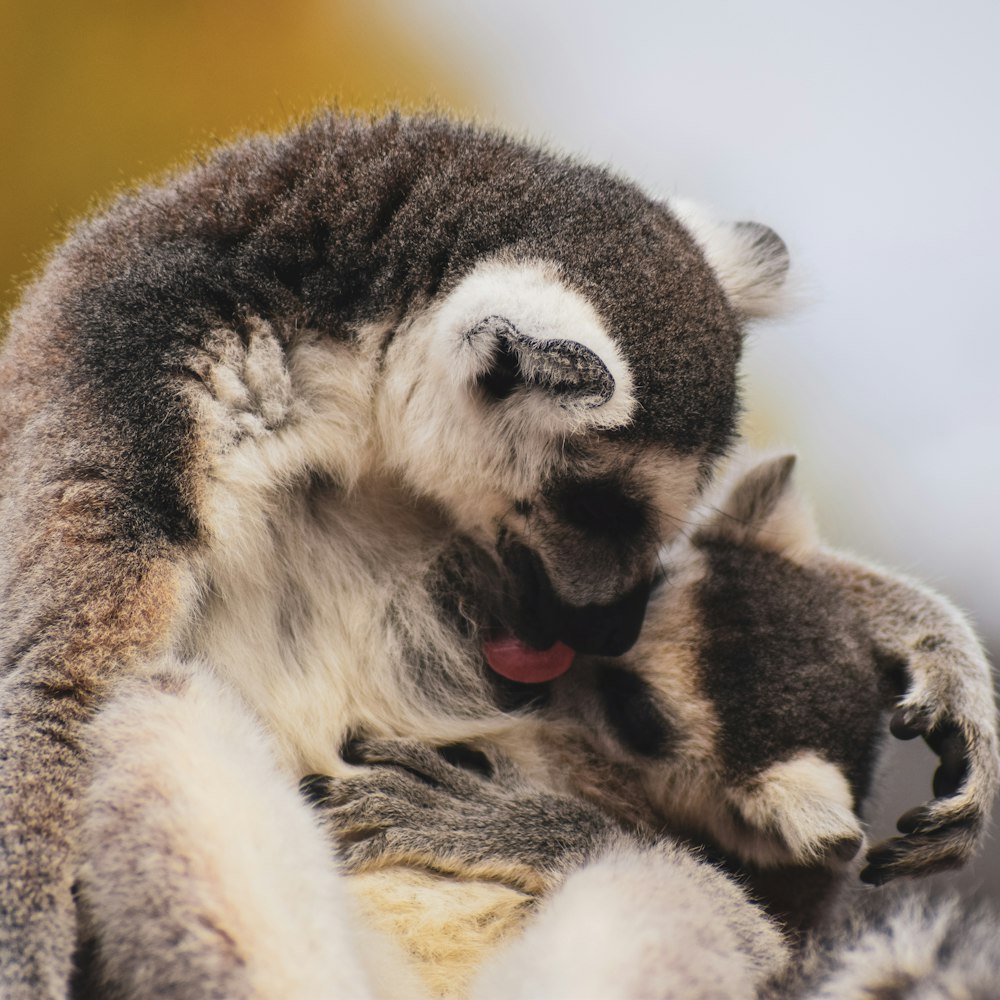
(748, 718)
(738, 736)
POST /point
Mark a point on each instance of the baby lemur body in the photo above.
(739, 736)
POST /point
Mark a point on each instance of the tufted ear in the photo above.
(749, 259)
(762, 509)
(565, 370)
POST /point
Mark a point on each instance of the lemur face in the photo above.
(566, 412)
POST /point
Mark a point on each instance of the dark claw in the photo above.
(922, 853)
(945, 738)
(912, 820)
(315, 787)
(949, 744)
(949, 777)
(874, 876)
(903, 727)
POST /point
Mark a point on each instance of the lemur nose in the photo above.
(605, 629)
(542, 618)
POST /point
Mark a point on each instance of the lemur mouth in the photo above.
(539, 635)
(511, 658)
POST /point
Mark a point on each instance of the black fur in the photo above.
(788, 664)
(632, 711)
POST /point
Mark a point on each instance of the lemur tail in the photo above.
(905, 942)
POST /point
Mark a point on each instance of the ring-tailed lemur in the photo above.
(280, 415)
(278, 420)
(748, 716)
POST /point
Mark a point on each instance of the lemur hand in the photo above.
(416, 808)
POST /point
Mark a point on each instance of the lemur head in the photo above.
(564, 400)
(751, 709)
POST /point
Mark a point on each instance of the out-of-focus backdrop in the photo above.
(866, 134)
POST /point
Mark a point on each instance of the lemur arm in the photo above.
(947, 698)
(415, 808)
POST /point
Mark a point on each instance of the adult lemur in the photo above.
(280, 419)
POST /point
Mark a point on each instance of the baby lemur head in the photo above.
(756, 689)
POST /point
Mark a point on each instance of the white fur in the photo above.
(640, 924)
(188, 814)
(923, 949)
(806, 801)
(335, 559)
(754, 282)
(532, 296)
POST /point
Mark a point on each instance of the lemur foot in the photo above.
(799, 810)
(415, 808)
(945, 832)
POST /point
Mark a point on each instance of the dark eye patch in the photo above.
(600, 507)
(631, 710)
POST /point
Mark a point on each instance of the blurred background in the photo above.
(865, 134)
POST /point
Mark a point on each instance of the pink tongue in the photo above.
(510, 658)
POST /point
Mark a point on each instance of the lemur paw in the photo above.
(798, 810)
(416, 808)
(945, 832)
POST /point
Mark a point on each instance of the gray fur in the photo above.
(230, 435)
(904, 942)
(244, 432)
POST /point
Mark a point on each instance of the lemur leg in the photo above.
(204, 874)
(629, 917)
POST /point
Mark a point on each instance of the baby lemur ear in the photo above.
(563, 369)
(761, 509)
(750, 260)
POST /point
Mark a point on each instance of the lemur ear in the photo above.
(762, 509)
(750, 260)
(563, 369)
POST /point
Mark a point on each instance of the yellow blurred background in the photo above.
(99, 95)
